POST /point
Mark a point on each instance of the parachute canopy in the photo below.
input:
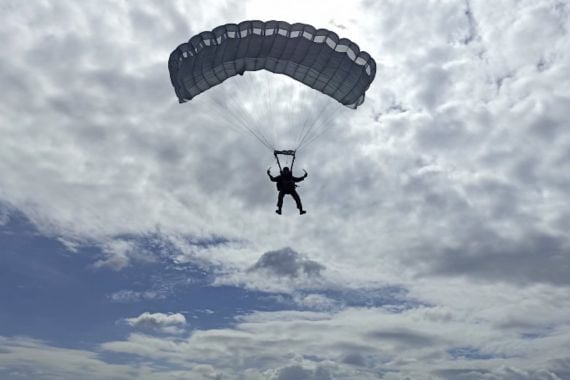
(317, 58)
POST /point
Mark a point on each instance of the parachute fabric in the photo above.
(317, 58)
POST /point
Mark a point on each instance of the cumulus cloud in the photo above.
(352, 343)
(506, 373)
(166, 323)
(540, 258)
(460, 130)
(287, 263)
(450, 181)
(297, 372)
(316, 302)
(361, 343)
(117, 254)
(284, 270)
(28, 358)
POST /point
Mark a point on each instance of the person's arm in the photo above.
(299, 179)
(273, 179)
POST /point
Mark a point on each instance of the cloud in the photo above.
(119, 156)
(403, 337)
(356, 342)
(297, 372)
(287, 263)
(134, 296)
(166, 323)
(279, 271)
(352, 343)
(316, 302)
(117, 253)
(29, 358)
(538, 258)
(505, 373)
(450, 182)
(4, 216)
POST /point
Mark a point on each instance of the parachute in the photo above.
(317, 58)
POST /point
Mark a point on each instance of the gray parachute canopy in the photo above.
(317, 58)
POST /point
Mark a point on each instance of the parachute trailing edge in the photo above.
(317, 58)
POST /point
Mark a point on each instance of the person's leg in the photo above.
(280, 202)
(298, 201)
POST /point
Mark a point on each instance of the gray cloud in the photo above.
(453, 174)
(288, 263)
(318, 346)
(403, 337)
(505, 373)
(172, 323)
(355, 359)
(297, 372)
(534, 258)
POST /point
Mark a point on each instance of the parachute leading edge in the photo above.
(317, 58)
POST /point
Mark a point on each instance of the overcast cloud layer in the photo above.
(436, 242)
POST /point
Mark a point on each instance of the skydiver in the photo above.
(286, 185)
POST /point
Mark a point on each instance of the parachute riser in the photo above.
(276, 153)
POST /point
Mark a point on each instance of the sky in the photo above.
(138, 238)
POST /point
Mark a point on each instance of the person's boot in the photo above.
(278, 211)
(301, 212)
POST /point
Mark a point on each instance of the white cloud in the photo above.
(110, 146)
(446, 342)
(27, 358)
(133, 296)
(117, 253)
(450, 181)
(316, 302)
(283, 270)
(166, 323)
(361, 342)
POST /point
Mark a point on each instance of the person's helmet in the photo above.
(285, 170)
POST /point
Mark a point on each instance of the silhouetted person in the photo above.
(286, 185)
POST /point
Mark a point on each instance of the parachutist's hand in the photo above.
(269, 171)
(306, 174)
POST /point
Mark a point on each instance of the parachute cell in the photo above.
(317, 58)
